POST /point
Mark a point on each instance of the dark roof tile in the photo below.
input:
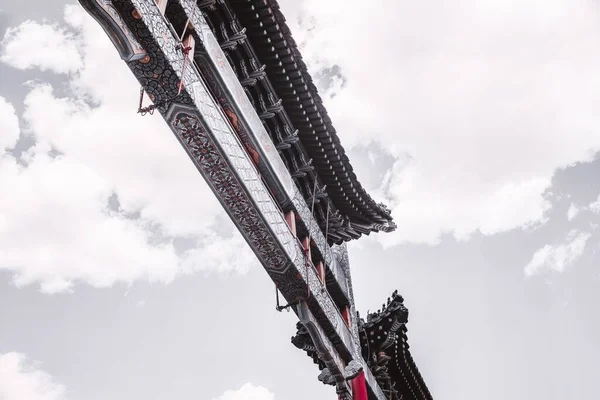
(295, 86)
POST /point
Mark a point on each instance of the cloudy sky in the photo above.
(478, 121)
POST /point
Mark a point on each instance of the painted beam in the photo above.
(222, 79)
(340, 255)
(335, 373)
(207, 136)
(104, 12)
(253, 132)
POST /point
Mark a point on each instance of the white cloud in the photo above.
(248, 392)
(56, 225)
(572, 212)
(228, 255)
(24, 380)
(9, 125)
(595, 206)
(557, 258)
(43, 46)
(487, 99)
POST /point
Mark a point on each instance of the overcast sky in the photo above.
(477, 121)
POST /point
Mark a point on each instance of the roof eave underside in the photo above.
(276, 47)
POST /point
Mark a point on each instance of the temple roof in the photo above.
(385, 347)
(274, 46)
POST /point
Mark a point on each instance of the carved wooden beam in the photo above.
(222, 80)
(211, 141)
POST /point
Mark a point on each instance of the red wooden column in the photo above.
(359, 387)
(290, 218)
(188, 41)
(346, 315)
(306, 246)
(321, 271)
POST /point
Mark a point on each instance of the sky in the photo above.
(476, 121)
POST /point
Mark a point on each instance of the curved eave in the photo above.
(275, 46)
(386, 331)
(419, 389)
